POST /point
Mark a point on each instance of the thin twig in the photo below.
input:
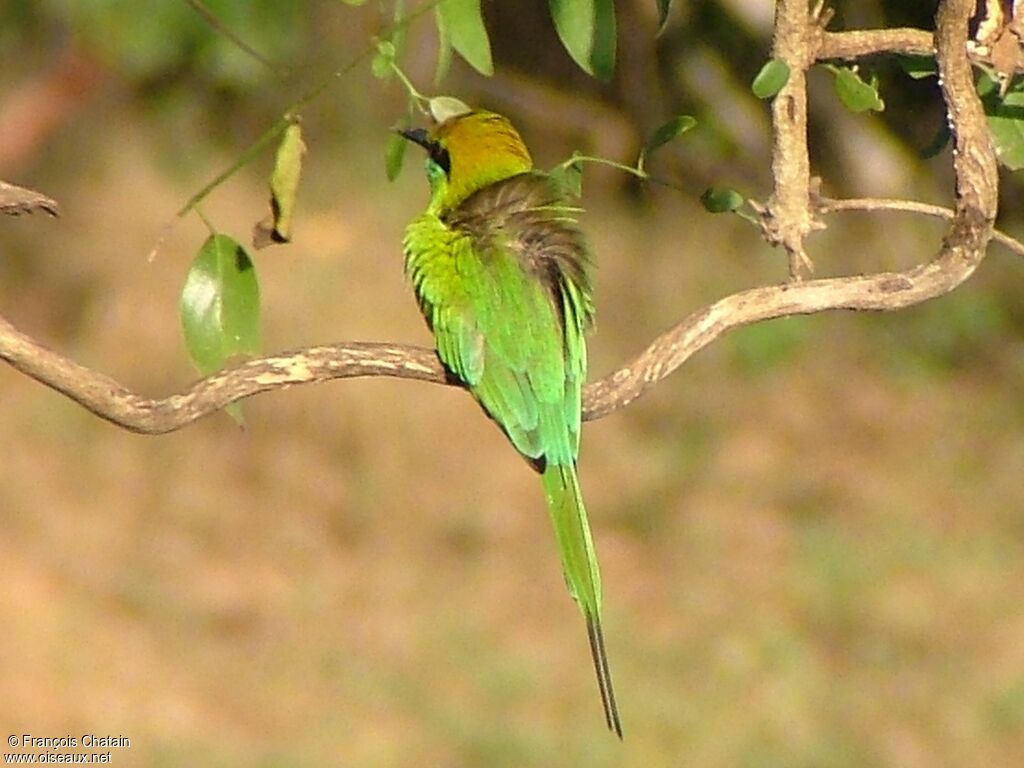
(221, 28)
(239, 162)
(871, 204)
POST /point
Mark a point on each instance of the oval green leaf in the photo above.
(574, 22)
(569, 178)
(721, 200)
(602, 57)
(464, 27)
(284, 184)
(918, 67)
(664, 6)
(986, 84)
(771, 79)
(394, 156)
(220, 305)
(856, 95)
(383, 58)
(674, 128)
(444, 48)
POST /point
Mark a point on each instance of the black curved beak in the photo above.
(417, 136)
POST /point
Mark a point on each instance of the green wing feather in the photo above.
(502, 281)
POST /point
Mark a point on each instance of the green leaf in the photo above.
(569, 178)
(394, 156)
(284, 181)
(675, 127)
(938, 142)
(400, 27)
(663, 8)
(986, 84)
(721, 200)
(444, 47)
(383, 59)
(574, 22)
(284, 184)
(856, 95)
(1006, 123)
(220, 305)
(602, 57)
(771, 79)
(464, 25)
(918, 67)
(587, 29)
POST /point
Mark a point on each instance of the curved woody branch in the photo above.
(962, 249)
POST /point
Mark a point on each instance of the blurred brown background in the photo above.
(811, 535)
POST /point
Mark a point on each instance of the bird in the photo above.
(501, 272)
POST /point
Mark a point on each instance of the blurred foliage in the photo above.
(757, 349)
(969, 329)
(703, 61)
(161, 45)
(169, 55)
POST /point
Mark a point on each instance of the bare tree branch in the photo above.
(871, 204)
(974, 159)
(869, 42)
(116, 403)
(15, 201)
(788, 217)
(962, 249)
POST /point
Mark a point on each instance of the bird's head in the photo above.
(467, 152)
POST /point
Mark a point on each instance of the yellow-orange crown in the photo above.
(474, 149)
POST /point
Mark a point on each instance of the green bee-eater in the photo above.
(500, 272)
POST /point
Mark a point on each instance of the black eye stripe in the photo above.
(440, 156)
(437, 153)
